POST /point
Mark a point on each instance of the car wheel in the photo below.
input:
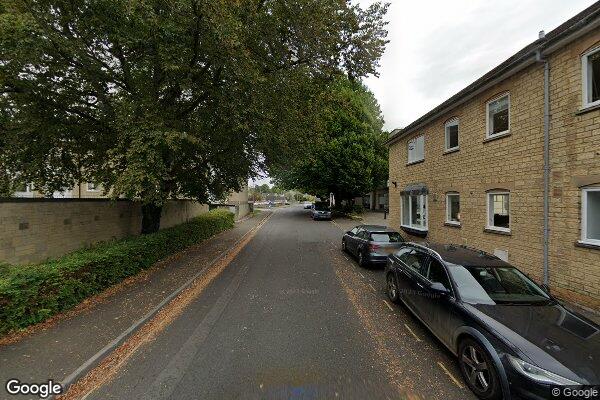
(392, 289)
(478, 370)
(361, 259)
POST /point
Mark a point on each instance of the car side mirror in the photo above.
(350, 233)
(438, 288)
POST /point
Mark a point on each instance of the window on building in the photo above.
(414, 211)
(416, 149)
(499, 211)
(498, 116)
(92, 187)
(24, 190)
(451, 129)
(591, 77)
(590, 215)
(453, 208)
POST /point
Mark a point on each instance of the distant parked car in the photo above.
(511, 337)
(371, 244)
(307, 205)
(321, 210)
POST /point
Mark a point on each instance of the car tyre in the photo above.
(361, 259)
(478, 370)
(392, 289)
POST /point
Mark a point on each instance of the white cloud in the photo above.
(438, 47)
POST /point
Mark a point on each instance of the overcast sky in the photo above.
(438, 47)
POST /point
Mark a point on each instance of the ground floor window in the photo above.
(414, 211)
(498, 205)
(590, 215)
(453, 208)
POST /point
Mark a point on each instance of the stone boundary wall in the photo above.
(32, 230)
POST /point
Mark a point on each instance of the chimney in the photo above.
(542, 34)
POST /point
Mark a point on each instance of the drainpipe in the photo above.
(540, 59)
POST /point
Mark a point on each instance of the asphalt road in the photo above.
(291, 317)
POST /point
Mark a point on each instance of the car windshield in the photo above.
(389, 237)
(321, 207)
(496, 285)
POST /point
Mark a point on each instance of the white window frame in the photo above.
(449, 123)
(91, 187)
(585, 79)
(490, 216)
(415, 140)
(489, 135)
(448, 220)
(423, 209)
(584, 222)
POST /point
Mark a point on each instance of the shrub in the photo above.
(32, 293)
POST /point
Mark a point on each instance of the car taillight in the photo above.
(373, 246)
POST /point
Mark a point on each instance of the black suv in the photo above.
(511, 337)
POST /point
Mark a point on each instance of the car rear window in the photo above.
(321, 206)
(389, 237)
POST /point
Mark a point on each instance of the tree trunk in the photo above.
(150, 218)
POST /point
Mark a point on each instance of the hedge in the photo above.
(31, 293)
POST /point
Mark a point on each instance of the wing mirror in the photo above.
(349, 233)
(438, 288)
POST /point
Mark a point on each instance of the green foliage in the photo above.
(155, 99)
(349, 156)
(32, 293)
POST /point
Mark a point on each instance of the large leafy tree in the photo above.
(161, 98)
(348, 155)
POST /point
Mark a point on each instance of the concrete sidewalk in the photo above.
(367, 218)
(59, 349)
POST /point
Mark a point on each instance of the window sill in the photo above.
(415, 162)
(587, 245)
(414, 231)
(496, 136)
(497, 231)
(450, 151)
(587, 108)
(452, 224)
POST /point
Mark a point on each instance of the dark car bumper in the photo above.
(375, 258)
(321, 216)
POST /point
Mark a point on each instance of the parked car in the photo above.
(321, 210)
(371, 244)
(510, 335)
(307, 205)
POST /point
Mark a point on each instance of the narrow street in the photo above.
(290, 317)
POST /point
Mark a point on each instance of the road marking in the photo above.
(412, 333)
(374, 290)
(388, 305)
(456, 381)
(336, 224)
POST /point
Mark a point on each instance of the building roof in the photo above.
(580, 24)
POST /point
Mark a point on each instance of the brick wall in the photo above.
(515, 163)
(33, 230)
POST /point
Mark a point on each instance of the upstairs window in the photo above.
(416, 149)
(591, 77)
(498, 116)
(590, 215)
(451, 128)
(499, 211)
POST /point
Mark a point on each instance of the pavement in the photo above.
(289, 316)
